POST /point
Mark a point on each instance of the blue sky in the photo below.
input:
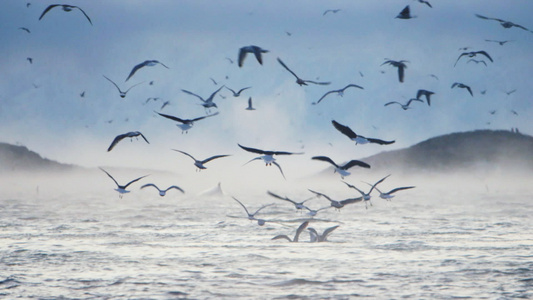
(194, 38)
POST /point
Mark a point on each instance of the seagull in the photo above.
(398, 64)
(339, 92)
(366, 196)
(510, 92)
(425, 2)
(335, 203)
(66, 8)
(331, 10)
(237, 94)
(186, 123)
(426, 93)
(257, 51)
(200, 163)
(30, 60)
(464, 86)
(477, 61)
(268, 156)
(342, 170)
(404, 106)
(389, 195)
(162, 193)
(122, 94)
(297, 205)
(296, 236)
(252, 217)
(151, 98)
(146, 63)
(82, 94)
(505, 24)
(358, 139)
(25, 29)
(472, 54)
(250, 107)
(164, 105)
(405, 14)
(122, 188)
(207, 103)
(313, 212)
(499, 42)
(315, 237)
(120, 137)
(298, 79)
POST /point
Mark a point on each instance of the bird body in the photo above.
(121, 189)
(268, 156)
(473, 54)
(122, 94)
(250, 106)
(207, 103)
(404, 106)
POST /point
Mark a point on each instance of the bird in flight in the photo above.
(335, 203)
(146, 63)
(340, 92)
(257, 51)
(477, 61)
(250, 107)
(315, 237)
(499, 42)
(464, 86)
(505, 24)
(398, 64)
(66, 8)
(298, 79)
(25, 29)
(404, 106)
(366, 196)
(120, 137)
(200, 163)
(296, 236)
(331, 11)
(297, 205)
(405, 14)
(238, 93)
(358, 139)
(252, 217)
(207, 103)
(121, 189)
(186, 124)
(342, 170)
(425, 2)
(268, 156)
(122, 94)
(473, 54)
(426, 93)
(162, 193)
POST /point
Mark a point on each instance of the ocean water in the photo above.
(425, 244)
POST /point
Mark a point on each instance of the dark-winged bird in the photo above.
(398, 64)
(257, 51)
(298, 79)
(66, 8)
(358, 139)
(120, 137)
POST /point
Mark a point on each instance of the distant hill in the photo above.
(474, 150)
(19, 158)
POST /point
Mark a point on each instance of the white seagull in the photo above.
(121, 189)
(162, 193)
(146, 63)
(66, 8)
(336, 203)
(389, 195)
(200, 163)
(250, 106)
(257, 51)
(252, 217)
(296, 236)
(268, 156)
(207, 103)
(297, 205)
(342, 170)
(120, 137)
(315, 237)
(404, 106)
(366, 196)
(122, 94)
(298, 79)
(186, 123)
(340, 92)
(358, 139)
(398, 64)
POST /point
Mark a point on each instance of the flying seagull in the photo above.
(389, 195)
(238, 93)
(335, 203)
(398, 64)
(473, 54)
(342, 170)
(122, 188)
(297, 205)
(505, 24)
(499, 42)
(186, 124)
(146, 63)
(120, 137)
(267, 156)
(250, 107)
(425, 2)
(122, 94)
(477, 61)
(296, 236)
(313, 212)
(464, 86)
(426, 93)
(298, 79)
(510, 92)
(339, 92)
(366, 196)
(200, 163)
(25, 29)
(315, 237)
(252, 217)
(162, 193)
(30, 60)
(257, 51)
(207, 103)
(358, 139)
(66, 8)
(404, 106)
(405, 14)
(331, 10)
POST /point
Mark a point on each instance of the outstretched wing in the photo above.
(260, 208)
(326, 159)
(344, 129)
(299, 230)
(117, 139)
(486, 54)
(143, 137)
(399, 189)
(336, 91)
(355, 162)
(242, 205)
(172, 117)
(134, 180)
(113, 83)
(328, 232)
(287, 68)
(89, 19)
(378, 182)
(193, 94)
(351, 200)
(320, 194)
(48, 9)
(282, 236)
(253, 150)
(316, 82)
(175, 187)
(185, 154)
(137, 67)
(353, 187)
(150, 184)
(279, 167)
(242, 56)
(203, 117)
(381, 142)
(212, 157)
(110, 176)
(281, 198)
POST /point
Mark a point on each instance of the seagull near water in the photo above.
(257, 51)
(473, 54)
(366, 196)
(340, 92)
(120, 137)
(200, 163)
(146, 63)
(389, 195)
(122, 94)
(268, 156)
(296, 236)
(404, 106)
(335, 203)
(186, 123)
(464, 86)
(121, 189)
(315, 237)
(358, 139)
(252, 217)
(297, 205)
(298, 79)
(398, 64)
(66, 8)
(207, 103)
(342, 170)
(162, 193)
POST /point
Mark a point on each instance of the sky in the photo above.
(41, 106)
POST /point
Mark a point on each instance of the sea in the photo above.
(430, 242)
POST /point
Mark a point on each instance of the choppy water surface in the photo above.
(421, 245)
